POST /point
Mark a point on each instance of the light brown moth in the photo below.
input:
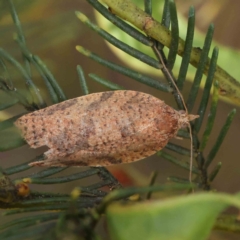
(101, 129)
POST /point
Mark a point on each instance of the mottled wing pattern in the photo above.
(101, 128)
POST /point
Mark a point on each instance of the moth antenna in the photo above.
(184, 105)
(191, 153)
(169, 75)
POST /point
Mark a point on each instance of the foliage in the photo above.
(76, 214)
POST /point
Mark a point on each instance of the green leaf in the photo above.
(10, 139)
(186, 217)
(230, 84)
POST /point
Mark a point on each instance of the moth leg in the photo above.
(179, 138)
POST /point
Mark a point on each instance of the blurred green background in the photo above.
(52, 31)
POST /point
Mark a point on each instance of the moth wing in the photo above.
(55, 122)
(124, 153)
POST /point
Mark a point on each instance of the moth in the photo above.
(102, 129)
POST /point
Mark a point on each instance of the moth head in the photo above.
(185, 118)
